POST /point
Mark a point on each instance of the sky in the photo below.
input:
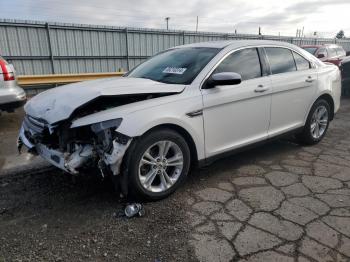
(326, 17)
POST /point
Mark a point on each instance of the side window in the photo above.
(323, 51)
(244, 62)
(301, 62)
(281, 60)
(332, 52)
(341, 51)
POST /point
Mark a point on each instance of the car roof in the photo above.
(324, 45)
(236, 44)
(315, 46)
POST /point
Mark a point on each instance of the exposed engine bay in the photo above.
(86, 147)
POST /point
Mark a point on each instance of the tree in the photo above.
(340, 34)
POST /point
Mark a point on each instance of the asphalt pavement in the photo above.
(278, 202)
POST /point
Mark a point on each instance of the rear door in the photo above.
(293, 88)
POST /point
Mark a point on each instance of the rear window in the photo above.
(281, 60)
(340, 51)
(332, 52)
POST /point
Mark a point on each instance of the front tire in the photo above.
(316, 124)
(157, 164)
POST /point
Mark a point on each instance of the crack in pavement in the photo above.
(319, 190)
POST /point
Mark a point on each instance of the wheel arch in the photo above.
(184, 133)
(326, 96)
(330, 101)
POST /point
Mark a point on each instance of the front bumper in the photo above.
(55, 157)
(32, 135)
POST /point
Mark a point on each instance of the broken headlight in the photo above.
(105, 133)
(114, 123)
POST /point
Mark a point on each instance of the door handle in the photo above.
(261, 89)
(309, 79)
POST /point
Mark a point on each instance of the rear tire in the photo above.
(157, 164)
(317, 123)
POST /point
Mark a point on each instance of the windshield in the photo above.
(175, 66)
(311, 50)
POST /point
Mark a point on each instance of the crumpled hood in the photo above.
(59, 103)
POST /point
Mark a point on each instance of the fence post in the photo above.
(127, 48)
(50, 48)
(183, 37)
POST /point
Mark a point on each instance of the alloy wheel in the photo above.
(319, 122)
(160, 166)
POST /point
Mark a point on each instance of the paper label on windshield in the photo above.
(174, 70)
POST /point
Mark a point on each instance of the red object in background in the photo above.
(6, 71)
(327, 53)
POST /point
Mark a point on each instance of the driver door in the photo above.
(237, 115)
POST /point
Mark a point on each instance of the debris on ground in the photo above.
(131, 210)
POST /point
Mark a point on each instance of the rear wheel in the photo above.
(316, 124)
(158, 164)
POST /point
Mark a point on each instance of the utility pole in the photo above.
(197, 25)
(167, 22)
(259, 30)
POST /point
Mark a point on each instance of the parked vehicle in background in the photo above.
(345, 72)
(334, 54)
(189, 104)
(11, 95)
(327, 53)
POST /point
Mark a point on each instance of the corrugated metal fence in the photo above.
(57, 48)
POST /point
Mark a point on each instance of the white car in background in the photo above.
(189, 104)
(11, 95)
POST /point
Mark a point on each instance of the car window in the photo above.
(323, 51)
(245, 62)
(301, 62)
(175, 66)
(340, 51)
(332, 52)
(281, 60)
(311, 50)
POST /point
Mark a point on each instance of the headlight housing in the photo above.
(98, 127)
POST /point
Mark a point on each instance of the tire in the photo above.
(170, 174)
(318, 119)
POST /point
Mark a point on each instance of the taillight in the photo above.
(6, 71)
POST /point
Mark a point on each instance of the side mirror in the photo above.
(223, 79)
(321, 56)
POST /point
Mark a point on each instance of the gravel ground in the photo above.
(52, 217)
(278, 202)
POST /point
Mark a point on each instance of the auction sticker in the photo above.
(174, 70)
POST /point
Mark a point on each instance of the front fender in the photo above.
(142, 116)
(137, 123)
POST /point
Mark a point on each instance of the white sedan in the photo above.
(187, 105)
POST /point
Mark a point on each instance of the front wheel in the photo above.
(158, 164)
(316, 124)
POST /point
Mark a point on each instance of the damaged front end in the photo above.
(76, 149)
